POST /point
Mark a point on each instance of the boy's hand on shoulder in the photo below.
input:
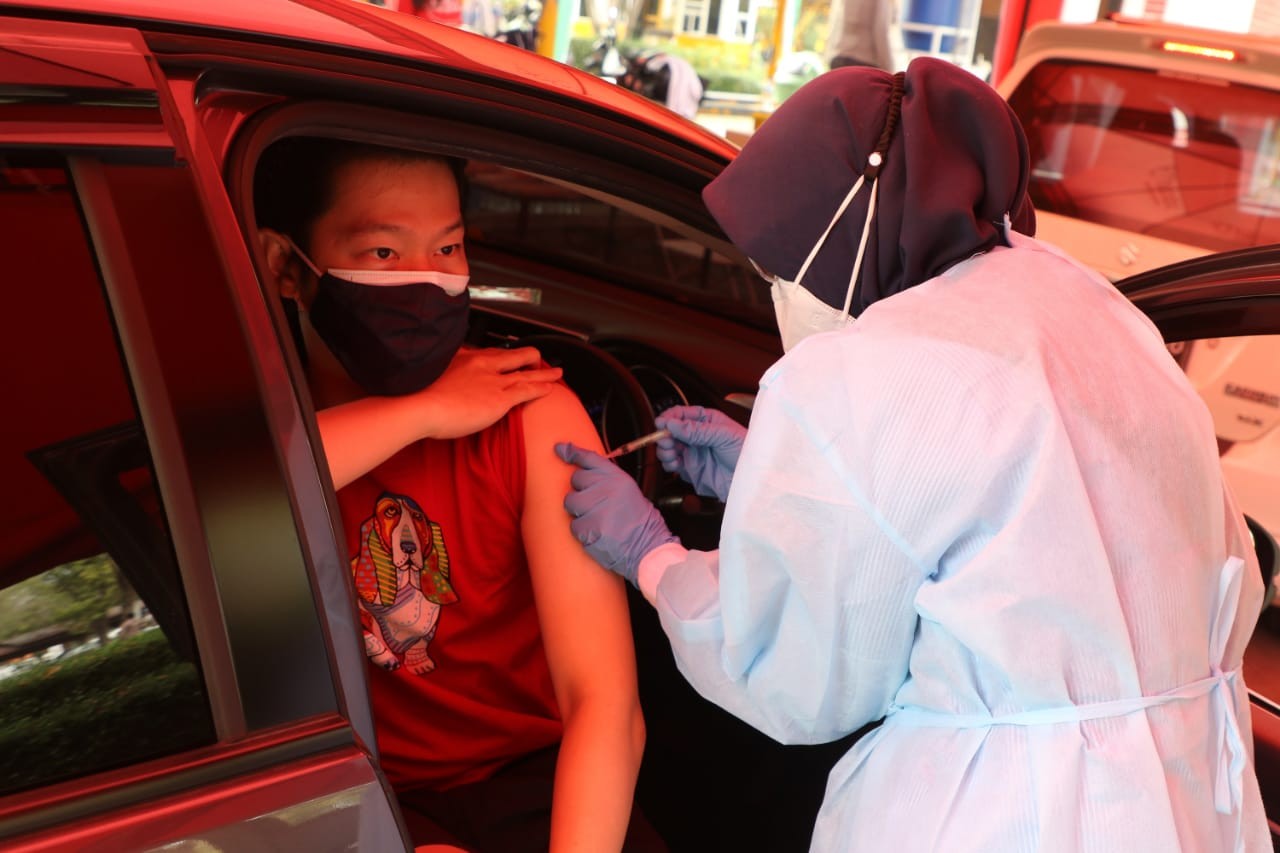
(482, 385)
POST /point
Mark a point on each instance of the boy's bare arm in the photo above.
(587, 634)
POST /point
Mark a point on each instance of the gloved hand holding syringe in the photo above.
(701, 445)
(612, 519)
(637, 443)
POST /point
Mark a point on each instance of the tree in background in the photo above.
(78, 596)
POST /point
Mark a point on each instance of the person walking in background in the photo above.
(864, 32)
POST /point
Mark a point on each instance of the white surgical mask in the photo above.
(451, 283)
(800, 313)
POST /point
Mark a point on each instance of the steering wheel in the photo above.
(613, 398)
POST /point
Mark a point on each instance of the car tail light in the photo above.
(1222, 53)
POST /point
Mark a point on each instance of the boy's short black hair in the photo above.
(293, 182)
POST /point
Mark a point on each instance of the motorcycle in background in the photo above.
(665, 78)
(521, 29)
(655, 74)
(604, 60)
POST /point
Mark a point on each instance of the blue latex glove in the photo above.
(703, 448)
(612, 519)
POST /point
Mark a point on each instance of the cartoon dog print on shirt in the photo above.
(402, 579)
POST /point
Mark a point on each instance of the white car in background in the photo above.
(1153, 143)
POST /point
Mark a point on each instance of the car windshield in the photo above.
(1190, 159)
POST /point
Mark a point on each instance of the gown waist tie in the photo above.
(1225, 687)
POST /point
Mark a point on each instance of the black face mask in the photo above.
(391, 339)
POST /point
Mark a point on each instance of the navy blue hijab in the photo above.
(956, 163)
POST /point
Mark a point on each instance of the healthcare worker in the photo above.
(989, 509)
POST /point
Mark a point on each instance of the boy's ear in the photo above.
(283, 266)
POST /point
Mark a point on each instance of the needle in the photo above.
(636, 444)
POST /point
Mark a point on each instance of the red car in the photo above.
(180, 663)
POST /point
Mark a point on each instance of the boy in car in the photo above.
(500, 657)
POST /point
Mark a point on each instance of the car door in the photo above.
(175, 668)
(1203, 308)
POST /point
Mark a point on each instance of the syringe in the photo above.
(636, 444)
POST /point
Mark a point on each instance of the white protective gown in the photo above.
(990, 509)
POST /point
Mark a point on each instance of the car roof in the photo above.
(350, 28)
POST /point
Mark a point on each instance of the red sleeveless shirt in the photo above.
(458, 678)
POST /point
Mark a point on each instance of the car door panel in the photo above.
(333, 800)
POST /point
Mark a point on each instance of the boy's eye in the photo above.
(449, 250)
(383, 253)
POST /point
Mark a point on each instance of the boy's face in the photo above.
(390, 216)
(383, 215)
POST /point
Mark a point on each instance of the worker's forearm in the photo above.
(595, 777)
